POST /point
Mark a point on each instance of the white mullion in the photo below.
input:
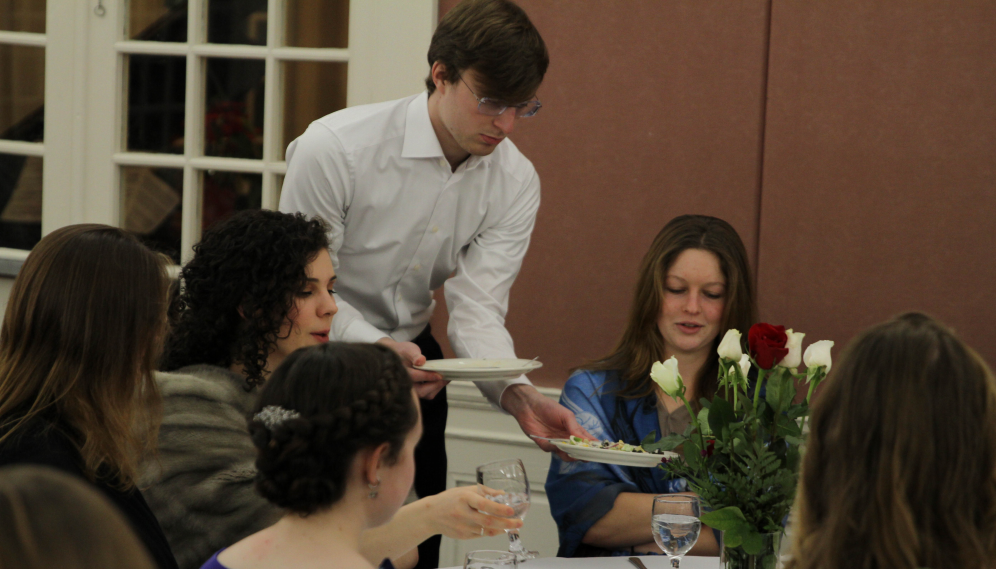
(311, 53)
(151, 47)
(273, 100)
(22, 148)
(193, 132)
(28, 39)
(150, 159)
(230, 51)
(241, 165)
(277, 167)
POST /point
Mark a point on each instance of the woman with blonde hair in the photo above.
(900, 469)
(52, 519)
(78, 347)
(694, 283)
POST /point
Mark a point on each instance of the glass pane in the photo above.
(22, 16)
(153, 207)
(317, 23)
(237, 21)
(22, 93)
(157, 20)
(20, 201)
(234, 121)
(228, 192)
(156, 87)
(312, 90)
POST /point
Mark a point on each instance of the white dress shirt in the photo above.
(402, 223)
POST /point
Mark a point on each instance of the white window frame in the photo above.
(85, 99)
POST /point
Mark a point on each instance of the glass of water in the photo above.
(509, 476)
(676, 524)
(490, 560)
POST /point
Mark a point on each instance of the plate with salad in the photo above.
(609, 452)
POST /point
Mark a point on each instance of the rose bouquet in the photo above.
(741, 452)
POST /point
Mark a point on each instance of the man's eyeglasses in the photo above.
(493, 108)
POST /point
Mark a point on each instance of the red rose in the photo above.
(767, 344)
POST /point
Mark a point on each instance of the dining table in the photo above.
(651, 562)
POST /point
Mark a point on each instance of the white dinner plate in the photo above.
(608, 456)
(470, 369)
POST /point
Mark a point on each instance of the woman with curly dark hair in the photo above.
(335, 430)
(258, 288)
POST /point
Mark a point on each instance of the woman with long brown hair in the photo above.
(78, 347)
(694, 284)
(900, 469)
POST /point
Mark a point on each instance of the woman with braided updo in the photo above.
(335, 429)
(259, 287)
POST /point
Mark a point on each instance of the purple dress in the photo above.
(213, 563)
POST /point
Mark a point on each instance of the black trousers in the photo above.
(430, 454)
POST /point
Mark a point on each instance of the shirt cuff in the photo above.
(359, 330)
(493, 390)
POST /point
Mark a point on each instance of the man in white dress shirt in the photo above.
(422, 188)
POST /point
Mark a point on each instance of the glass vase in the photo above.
(737, 558)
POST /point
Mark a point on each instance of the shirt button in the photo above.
(417, 267)
(442, 162)
(435, 229)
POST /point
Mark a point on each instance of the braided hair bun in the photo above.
(340, 398)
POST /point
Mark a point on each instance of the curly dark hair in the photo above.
(348, 397)
(238, 289)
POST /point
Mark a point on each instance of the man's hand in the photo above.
(540, 416)
(427, 383)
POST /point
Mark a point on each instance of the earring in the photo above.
(374, 489)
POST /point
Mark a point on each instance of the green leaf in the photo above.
(669, 442)
(753, 542)
(729, 518)
(779, 392)
(650, 439)
(794, 440)
(721, 415)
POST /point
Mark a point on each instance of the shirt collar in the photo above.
(420, 138)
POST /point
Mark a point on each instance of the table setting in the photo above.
(739, 456)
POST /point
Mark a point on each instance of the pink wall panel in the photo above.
(650, 111)
(879, 191)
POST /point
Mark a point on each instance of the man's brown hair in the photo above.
(496, 40)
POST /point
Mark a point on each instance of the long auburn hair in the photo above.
(52, 519)
(642, 344)
(79, 344)
(900, 470)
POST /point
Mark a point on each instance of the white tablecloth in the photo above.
(651, 561)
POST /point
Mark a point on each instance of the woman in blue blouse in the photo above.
(694, 284)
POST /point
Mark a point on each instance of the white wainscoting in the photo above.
(477, 433)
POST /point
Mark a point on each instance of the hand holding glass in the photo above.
(509, 476)
(676, 524)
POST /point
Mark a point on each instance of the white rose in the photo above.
(794, 345)
(745, 364)
(729, 348)
(818, 354)
(666, 375)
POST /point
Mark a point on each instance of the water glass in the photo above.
(490, 560)
(509, 476)
(676, 524)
